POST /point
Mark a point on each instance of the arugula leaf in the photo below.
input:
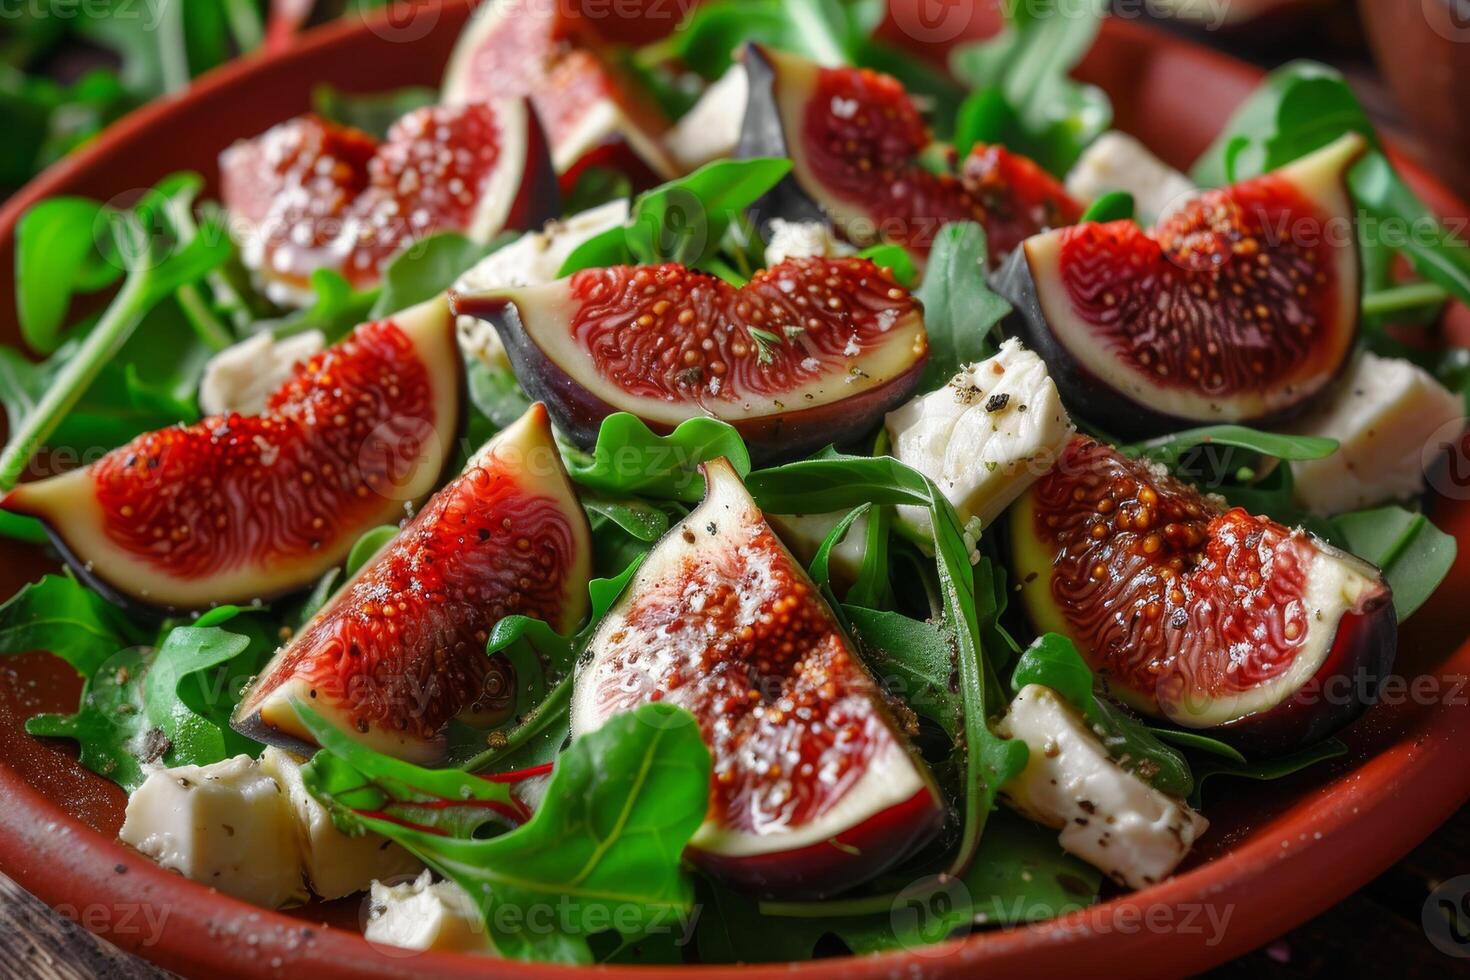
(60, 615)
(428, 267)
(1020, 874)
(170, 706)
(1170, 448)
(159, 262)
(1053, 661)
(373, 112)
(630, 459)
(1199, 742)
(595, 187)
(684, 220)
(543, 662)
(1268, 769)
(960, 311)
(369, 543)
(355, 779)
(1112, 206)
(641, 520)
(56, 256)
(494, 393)
(913, 659)
(335, 310)
(1302, 107)
(894, 258)
(603, 849)
(1415, 556)
(1045, 114)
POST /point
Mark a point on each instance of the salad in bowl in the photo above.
(754, 496)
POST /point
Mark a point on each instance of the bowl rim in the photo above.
(73, 867)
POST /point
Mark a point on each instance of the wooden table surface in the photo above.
(1376, 932)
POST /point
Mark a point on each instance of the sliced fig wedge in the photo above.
(310, 194)
(1207, 616)
(1240, 306)
(814, 788)
(542, 51)
(242, 507)
(400, 650)
(855, 140)
(810, 352)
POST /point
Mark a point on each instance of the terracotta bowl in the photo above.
(1277, 853)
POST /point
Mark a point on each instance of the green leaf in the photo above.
(642, 520)
(629, 459)
(544, 661)
(353, 779)
(427, 268)
(1169, 449)
(1052, 117)
(65, 618)
(1198, 742)
(374, 112)
(597, 186)
(1286, 765)
(896, 259)
(1053, 661)
(913, 659)
(56, 256)
(683, 220)
(367, 545)
(960, 311)
(169, 706)
(818, 567)
(604, 847)
(494, 393)
(1112, 206)
(1415, 556)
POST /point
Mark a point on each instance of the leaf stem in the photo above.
(1400, 299)
(116, 325)
(207, 327)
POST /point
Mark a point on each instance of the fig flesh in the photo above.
(1197, 613)
(814, 787)
(1240, 306)
(810, 352)
(856, 140)
(310, 194)
(237, 508)
(544, 52)
(400, 649)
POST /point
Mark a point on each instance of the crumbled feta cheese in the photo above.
(1107, 816)
(985, 437)
(1117, 162)
(336, 865)
(426, 915)
(240, 378)
(802, 240)
(228, 825)
(1390, 418)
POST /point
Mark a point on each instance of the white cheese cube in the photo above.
(803, 240)
(711, 128)
(424, 915)
(532, 259)
(241, 377)
(1117, 162)
(983, 438)
(1390, 418)
(228, 825)
(1107, 816)
(336, 865)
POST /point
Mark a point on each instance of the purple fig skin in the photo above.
(1092, 397)
(1346, 685)
(579, 412)
(763, 135)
